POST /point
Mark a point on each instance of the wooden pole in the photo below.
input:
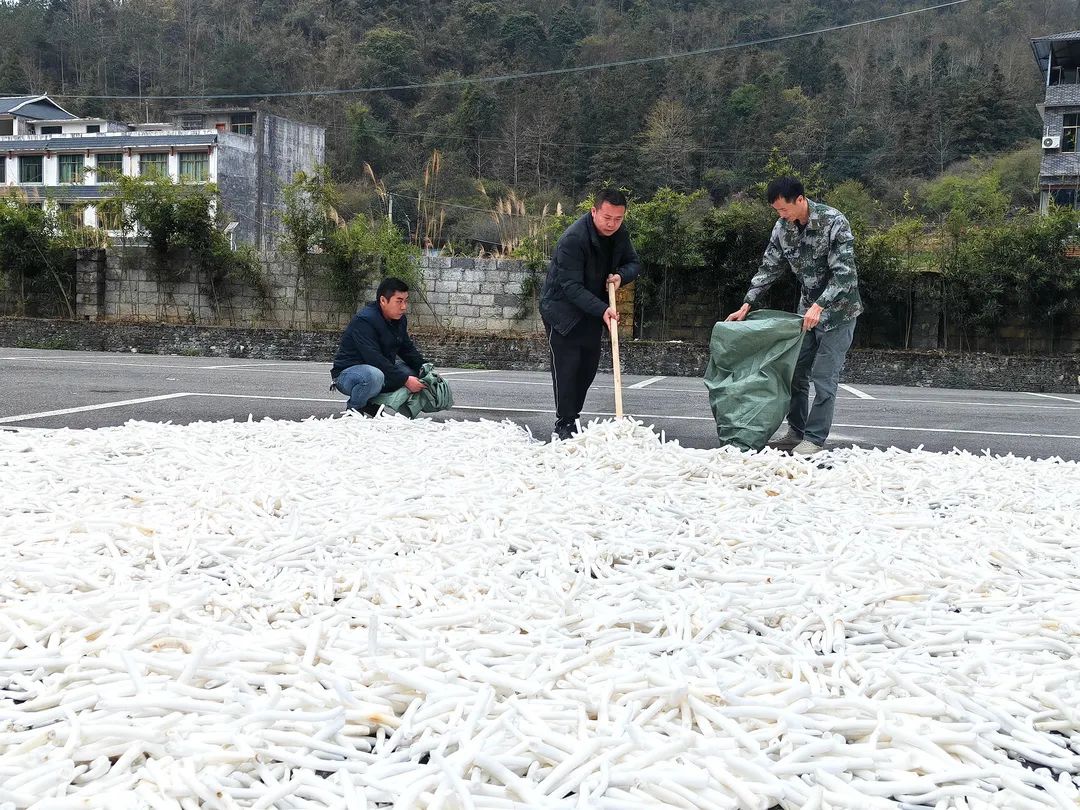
(614, 326)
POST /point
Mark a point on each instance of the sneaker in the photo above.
(806, 448)
(564, 430)
(785, 438)
(370, 410)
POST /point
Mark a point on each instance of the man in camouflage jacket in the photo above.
(816, 242)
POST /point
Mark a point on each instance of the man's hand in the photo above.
(739, 314)
(615, 279)
(414, 385)
(812, 318)
(610, 317)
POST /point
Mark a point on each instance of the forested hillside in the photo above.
(922, 129)
(880, 103)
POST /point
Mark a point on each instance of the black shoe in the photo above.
(371, 410)
(564, 430)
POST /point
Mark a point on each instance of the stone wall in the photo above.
(471, 295)
(474, 295)
(530, 352)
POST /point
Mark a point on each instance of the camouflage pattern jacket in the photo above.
(822, 257)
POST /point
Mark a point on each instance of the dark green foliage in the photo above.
(180, 225)
(906, 98)
(906, 122)
(348, 255)
(37, 267)
(734, 239)
(364, 251)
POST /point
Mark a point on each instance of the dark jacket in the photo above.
(372, 340)
(576, 283)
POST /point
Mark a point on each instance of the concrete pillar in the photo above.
(90, 284)
(926, 312)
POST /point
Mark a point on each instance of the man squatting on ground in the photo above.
(367, 362)
(816, 242)
(593, 251)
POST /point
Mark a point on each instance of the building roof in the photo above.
(1058, 37)
(73, 193)
(1065, 48)
(36, 107)
(125, 140)
(210, 110)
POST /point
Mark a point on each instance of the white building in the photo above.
(55, 158)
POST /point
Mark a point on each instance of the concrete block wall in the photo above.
(472, 295)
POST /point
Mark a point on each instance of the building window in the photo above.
(3, 169)
(71, 168)
(109, 167)
(1068, 74)
(51, 130)
(191, 122)
(242, 123)
(154, 164)
(1065, 197)
(71, 215)
(109, 215)
(30, 169)
(1070, 124)
(7, 126)
(91, 128)
(195, 166)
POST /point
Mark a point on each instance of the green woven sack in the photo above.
(748, 377)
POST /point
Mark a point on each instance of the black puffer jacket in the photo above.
(576, 283)
(371, 340)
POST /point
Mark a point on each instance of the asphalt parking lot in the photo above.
(58, 389)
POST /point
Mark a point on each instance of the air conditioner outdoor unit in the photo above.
(1051, 141)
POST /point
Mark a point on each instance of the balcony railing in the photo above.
(1064, 75)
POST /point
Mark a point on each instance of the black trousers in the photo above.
(574, 360)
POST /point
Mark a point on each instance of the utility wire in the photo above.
(531, 143)
(506, 77)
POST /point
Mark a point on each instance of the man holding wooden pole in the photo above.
(592, 259)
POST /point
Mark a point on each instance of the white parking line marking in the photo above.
(247, 365)
(1051, 396)
(173, 366)
(82, 408)
(647, 383)
(265, 396)
(958, 430)
(467, 371)
(852, 390)
(957, 402)
(266, 370)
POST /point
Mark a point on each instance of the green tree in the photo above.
(390, 55)
(521, 35)
(366, 140)
(566, 31)
(667, 233)
(668, 146)
(180, 222)
(308, 220)
(733, 241)
(966, 198)
(37, 271)
(365, 249)
(856, 203)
